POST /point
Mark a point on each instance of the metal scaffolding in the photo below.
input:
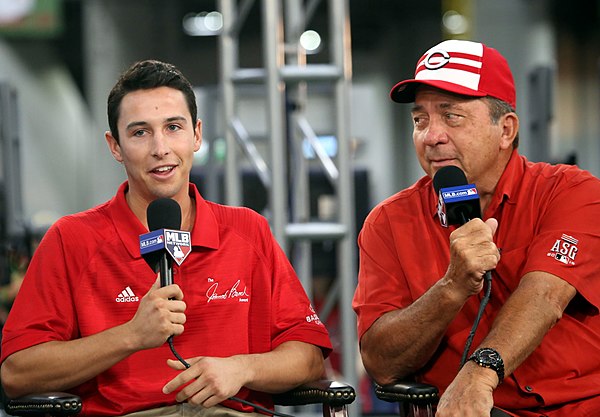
(285, 78)
(13, 224)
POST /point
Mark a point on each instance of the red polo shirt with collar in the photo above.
(87, 276)
(549, 220)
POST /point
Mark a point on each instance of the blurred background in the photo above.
(297, 120)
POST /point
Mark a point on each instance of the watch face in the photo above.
(489, 357)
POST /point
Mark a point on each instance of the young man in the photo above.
(236, 309)
(420, 284)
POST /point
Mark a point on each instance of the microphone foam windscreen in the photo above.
(448, 176)
(164, 213)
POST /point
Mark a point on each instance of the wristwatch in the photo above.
(489, 358)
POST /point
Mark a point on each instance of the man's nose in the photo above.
(160, 145)
(435, 133)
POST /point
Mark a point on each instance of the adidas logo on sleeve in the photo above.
(127, 296)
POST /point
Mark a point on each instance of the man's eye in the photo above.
(138, 133)
(173, 127)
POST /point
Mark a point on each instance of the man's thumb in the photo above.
(493, 224)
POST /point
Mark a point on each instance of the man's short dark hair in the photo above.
(499, 108)
(145, 75)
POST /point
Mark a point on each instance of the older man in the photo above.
(421, 283)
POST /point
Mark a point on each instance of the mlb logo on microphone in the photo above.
(151, 241)
(459, 193)
(178, 244)
(441, 211)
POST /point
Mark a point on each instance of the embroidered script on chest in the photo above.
(218, 292)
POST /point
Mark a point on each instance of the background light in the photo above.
(203, 24)
(455, 23)
(310, 41)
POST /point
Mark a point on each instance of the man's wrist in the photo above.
(452, 291)
(489, 358)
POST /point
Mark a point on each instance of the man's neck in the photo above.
(139, 206)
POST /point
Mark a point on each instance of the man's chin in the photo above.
(167, 191)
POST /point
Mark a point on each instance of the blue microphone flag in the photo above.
(458, 204)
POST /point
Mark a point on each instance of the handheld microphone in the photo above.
(164, 243)
(458, 201)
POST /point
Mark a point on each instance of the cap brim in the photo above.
(404, 91)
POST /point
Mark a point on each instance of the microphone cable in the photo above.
(256, 407)
(487, 278)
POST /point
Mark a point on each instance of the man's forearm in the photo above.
(287, 366)
(527, 316)
(533, 308)
(59, 366)
(402, 341)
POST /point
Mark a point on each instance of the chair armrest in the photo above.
(410, 392)
(333, 393)
(323, 391)
(50, 403)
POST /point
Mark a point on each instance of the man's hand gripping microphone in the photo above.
(458, 202)
(165, 244)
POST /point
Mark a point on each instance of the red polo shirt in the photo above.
(548, 221)
(87, 275)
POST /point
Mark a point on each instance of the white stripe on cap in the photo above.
(455, 76)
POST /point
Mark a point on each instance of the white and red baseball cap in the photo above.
(462, 67)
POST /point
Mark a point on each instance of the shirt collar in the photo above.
(204, 233)
(509, 181)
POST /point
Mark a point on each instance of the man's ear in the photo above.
(510, 128)
(198, 135)
(113, 146)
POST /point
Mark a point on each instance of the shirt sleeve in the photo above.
(380, 272)
(43, 310)
(567, 243)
